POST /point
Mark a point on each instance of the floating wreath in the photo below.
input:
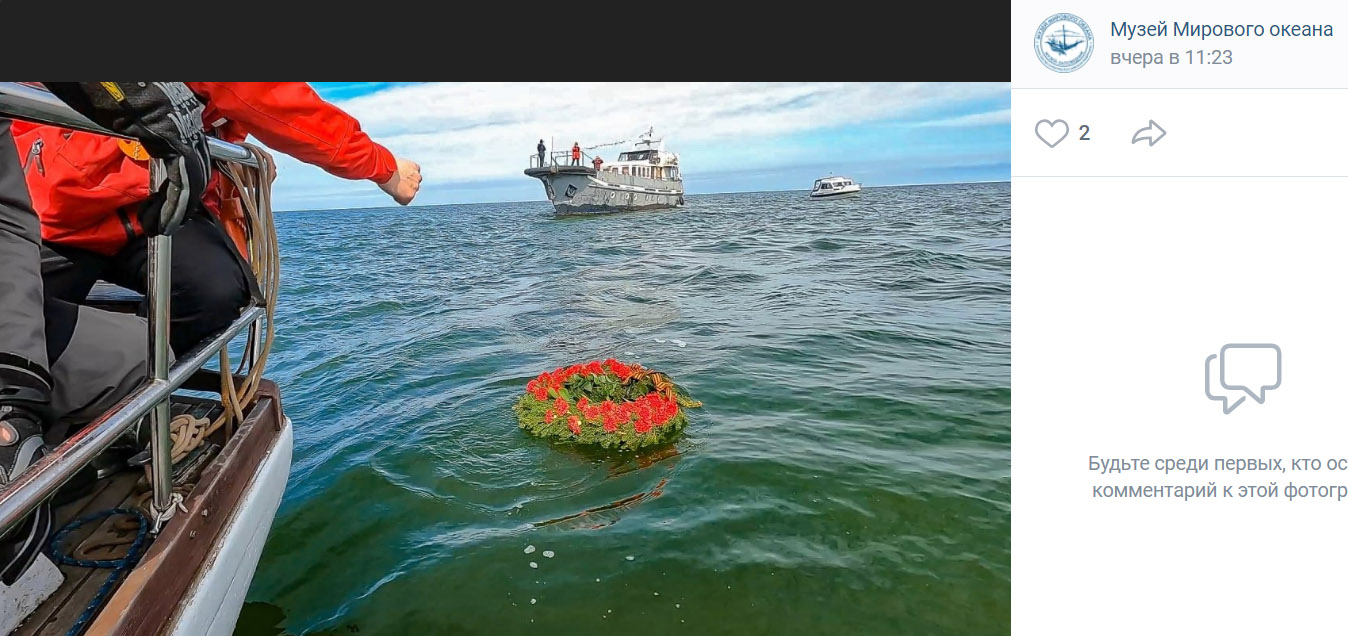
(609, 404)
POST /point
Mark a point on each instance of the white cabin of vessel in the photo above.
(833, 186)
(647, 158)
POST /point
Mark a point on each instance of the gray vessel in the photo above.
(646, 177)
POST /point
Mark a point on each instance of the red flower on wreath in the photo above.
(619, 369)
(604, 406)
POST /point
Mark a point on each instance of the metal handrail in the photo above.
(41, 480)
(33, 103)
(46, 476)
(560, 158)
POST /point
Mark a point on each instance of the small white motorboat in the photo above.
(835, 188)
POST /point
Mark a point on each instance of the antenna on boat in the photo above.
(647, 138)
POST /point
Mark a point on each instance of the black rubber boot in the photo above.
(22, 398)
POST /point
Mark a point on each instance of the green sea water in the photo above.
(848, 474)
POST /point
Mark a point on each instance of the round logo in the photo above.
(1064, 42)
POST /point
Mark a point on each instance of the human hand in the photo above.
(406, 181)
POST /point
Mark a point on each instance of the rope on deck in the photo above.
(119, 566)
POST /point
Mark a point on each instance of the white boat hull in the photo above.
(212, 605)
(575, 190)
(847, 193)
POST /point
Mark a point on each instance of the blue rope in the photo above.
(119, 566)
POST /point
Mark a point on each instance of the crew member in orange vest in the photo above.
(575, 154)
(61, 365)
(87, 189)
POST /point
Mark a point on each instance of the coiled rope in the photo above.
(265, 257)
(188, 432)
(119, 566)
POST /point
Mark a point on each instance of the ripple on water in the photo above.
(853, 450)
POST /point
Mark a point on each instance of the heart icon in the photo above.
(1051, 132)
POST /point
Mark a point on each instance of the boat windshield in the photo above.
(641, 155)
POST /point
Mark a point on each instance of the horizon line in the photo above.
(427, 205)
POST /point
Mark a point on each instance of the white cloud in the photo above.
(485, 131)
(990, 118)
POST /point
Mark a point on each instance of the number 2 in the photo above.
(1085, 130)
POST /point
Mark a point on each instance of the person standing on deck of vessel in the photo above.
(598, 161)
(575, 154)
(541, 149)
(62, 365)
(90, 182)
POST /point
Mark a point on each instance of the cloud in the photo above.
(462, 133)
(990, 118)
(475, 131)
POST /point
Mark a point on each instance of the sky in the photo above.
(473, 140)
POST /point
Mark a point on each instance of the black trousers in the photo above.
(211, 284)
(76, 361)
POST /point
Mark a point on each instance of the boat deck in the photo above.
(120, 490)
(539, 172)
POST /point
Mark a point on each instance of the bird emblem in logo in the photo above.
(1064, 42)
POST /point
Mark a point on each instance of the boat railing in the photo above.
(559, 158)
(42, 480)
(618, 178)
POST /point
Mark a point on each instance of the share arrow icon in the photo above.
(1152, 133)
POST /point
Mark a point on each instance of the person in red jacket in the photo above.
(62, 364)
(87, 189)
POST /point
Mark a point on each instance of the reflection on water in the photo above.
(592, 518)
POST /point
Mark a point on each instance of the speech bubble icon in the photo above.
(1229, 399)
(1255, 369)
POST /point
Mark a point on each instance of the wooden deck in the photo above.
(58, 613)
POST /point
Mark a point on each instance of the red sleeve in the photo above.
(291, 118)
